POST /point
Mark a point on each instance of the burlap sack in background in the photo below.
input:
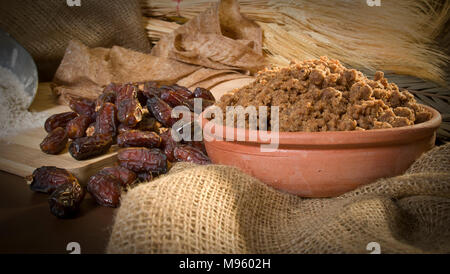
(45, 28)
(218, 209)
(210, 51)
(85, 71)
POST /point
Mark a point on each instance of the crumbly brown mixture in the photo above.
(323, 95)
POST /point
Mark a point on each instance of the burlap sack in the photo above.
(219, 209)
(229, 45)
(85, 71)
(44, 28)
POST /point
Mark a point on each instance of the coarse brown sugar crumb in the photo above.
(323, 95)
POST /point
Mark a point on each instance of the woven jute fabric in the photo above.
(45, 28)
(219, 209)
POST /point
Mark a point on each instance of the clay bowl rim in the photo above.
(339, 138)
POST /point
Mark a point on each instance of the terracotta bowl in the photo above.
(324, 164)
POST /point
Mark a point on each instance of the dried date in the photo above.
(55, 142)
(83, 106)
(143, 160)
(77, 127)
(137, 138)
(183, 91)
(129, 112)
(59, 120)
(106, 121)
(186, 153)
(126, 91)
(172, 98)
(125, 176)
(65, 201)
(204, 94)
(168, 144)
(91, 146)
(106, 189)
(47, 178)
(161, 111)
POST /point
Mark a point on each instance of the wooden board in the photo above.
(21, 154)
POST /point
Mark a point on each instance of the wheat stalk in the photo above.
(398, 36)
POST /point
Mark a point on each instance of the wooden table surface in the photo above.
(27, 226)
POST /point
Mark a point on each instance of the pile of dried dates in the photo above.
(135, 116)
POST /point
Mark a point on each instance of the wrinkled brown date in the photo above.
(125, 176)
(186, 153)
(126, 91)
(137, 138)
(168, 144)
(77, 127)
(59, 120)
(172, 98)
(55, 142)
(143, 160)
(129, 112)
(83, 106)
(106, 121)
(183, 91)
(161, 111)
(106, 189)
(47, 178)
(91, 146)
(204, 94)
(65, 201)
